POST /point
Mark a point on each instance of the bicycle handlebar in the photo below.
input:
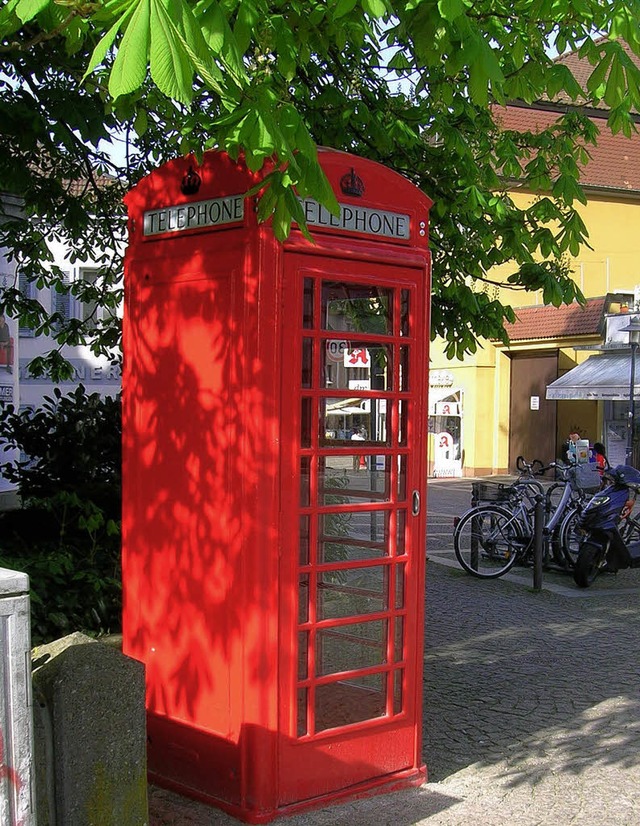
(534, 468)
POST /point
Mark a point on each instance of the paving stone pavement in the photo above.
(531, 702)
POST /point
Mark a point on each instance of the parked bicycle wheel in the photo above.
(488, 540)
(630, 529)
(569, 539)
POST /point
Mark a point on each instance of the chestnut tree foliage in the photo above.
(414, 84)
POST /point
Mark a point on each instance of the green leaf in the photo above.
(106, 42)
(344, 7)
(130, 67)
(451, 9)
(596, 80)
(171, 68)
(281, 220)
(615, 88)
(27, 9)
(374, 8)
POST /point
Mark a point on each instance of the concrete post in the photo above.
(17, 806)
(90, 735)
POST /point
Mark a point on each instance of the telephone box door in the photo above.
(353, 515)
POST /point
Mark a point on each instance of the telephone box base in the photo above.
(399, 781)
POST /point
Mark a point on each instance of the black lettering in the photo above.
(214, 212)
(239, 208)
(162, 221)
(388, 227)
(191, 214)
(227, 214)
(401, 231)
(323, 216)
(309, 211)
(375, 223)
(347, 217)
(180, 213)
(202, 215)
(360, 220)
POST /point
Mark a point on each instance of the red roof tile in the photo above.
(615, 161)
(582, 70)
(557, 322)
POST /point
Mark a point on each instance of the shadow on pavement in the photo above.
(535, 679)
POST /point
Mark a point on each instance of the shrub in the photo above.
(66, 535)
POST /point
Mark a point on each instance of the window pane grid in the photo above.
(354, 560)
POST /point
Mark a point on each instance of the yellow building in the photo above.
(493, 406)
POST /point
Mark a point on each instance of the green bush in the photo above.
(66, 535)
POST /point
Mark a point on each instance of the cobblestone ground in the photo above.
(531, 702)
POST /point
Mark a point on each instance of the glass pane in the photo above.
(304, 540)
(305, 422)
(401, 523)
(400, 586)
(349, 365)
(345, 479)
(350, 536)
(303, 647)
(307, 362)
(402, 478)
(397, 691)
(403, 380)
(305, 481)
(350, 701)
(350, 647)
(398, 655)
(404, 313)
(351, 593)
(356, 308)
(307, 304)
(403, 409)
(302, 712)
(353, 419)
(303, 599)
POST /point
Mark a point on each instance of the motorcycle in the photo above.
(603, 548)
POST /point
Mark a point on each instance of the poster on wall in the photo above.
(7, 348)
(446, 461)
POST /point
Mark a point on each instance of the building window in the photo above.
(61, 301)
(27, 290)
(88, 310)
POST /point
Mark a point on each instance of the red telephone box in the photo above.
(275, 402)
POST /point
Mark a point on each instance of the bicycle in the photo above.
(489, 539)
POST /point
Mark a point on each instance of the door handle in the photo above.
(415, 503)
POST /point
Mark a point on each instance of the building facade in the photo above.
(17, 384)
(498, 405)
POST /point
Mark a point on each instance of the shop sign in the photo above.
(440, 378)
(82, 371)
(445, 452)
(359, 384)
(6, 393)
(447, 409)
(358, 357)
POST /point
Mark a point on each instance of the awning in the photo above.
(603, 377)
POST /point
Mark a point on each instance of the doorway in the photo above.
(532, 418)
